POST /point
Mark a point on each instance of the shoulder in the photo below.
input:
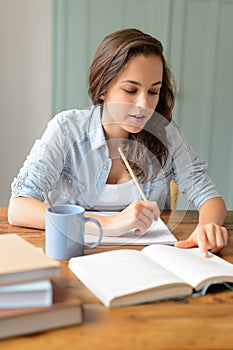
(173, 129)
(75, 120)
(73, 116)
(181, 150)
(70, 124)
(175, 136)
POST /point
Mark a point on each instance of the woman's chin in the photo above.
(133, 129)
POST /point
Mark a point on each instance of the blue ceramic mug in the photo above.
(65, 232)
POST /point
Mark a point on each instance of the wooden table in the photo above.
(193, 323)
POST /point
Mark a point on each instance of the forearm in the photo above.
(212, 211)
(27, 212)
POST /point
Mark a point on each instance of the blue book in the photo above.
(29, 294)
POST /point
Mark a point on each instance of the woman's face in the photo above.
(132, 97)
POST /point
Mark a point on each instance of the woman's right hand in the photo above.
(138, 216)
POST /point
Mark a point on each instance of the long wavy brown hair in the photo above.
(147, 147)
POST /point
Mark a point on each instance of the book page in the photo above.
(157, 233)
(117, 273)
(190, 266)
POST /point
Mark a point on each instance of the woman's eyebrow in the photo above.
(137, 83)
(157, 83)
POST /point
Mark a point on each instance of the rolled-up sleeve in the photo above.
(43, 165)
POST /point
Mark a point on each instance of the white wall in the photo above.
(25, 82)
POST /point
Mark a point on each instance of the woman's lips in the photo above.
(138, 118)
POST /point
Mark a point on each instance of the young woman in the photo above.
(76, 160)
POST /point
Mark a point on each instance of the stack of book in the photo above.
(32, 298)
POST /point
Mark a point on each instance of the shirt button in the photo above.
(105, 167)
(70, 181)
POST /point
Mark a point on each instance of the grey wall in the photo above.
(25, 82)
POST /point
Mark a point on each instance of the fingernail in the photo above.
(205, 254)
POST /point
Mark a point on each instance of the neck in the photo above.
(113, 145)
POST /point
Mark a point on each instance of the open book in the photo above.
(158, 233)
(128, 276)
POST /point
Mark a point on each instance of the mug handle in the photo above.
(95, 244)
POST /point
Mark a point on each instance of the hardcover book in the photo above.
(21, 262)
(66, 310)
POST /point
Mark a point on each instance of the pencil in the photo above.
(132, 173)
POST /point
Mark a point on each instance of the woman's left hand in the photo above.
(207, 237)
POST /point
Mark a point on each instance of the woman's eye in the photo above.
(150, 92)
(130, 91)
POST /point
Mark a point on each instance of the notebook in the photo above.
(158, 233)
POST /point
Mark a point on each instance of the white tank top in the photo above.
(117, 197)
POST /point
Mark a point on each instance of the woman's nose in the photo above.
(142, 101)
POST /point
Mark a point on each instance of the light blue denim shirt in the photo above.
(71, 163)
